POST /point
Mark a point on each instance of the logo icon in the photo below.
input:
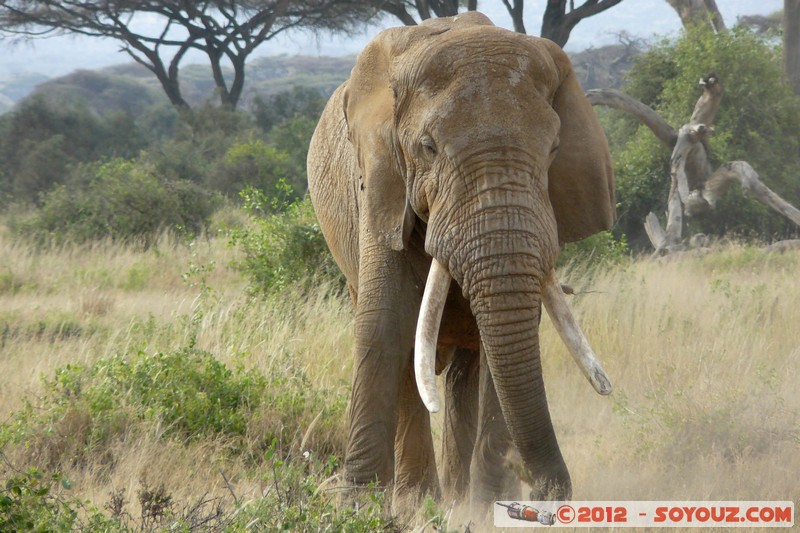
(528, 513)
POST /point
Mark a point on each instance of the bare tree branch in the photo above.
(515, 10)
(619, 100)
(741, 171)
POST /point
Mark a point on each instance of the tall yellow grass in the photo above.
(704, 353)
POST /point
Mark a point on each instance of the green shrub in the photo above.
(120, 199)
(32, 501)
(298, 502)
(40, 165)
(600, 248)
(255, 164)
(200, 139)
(284, 246)
(188, 393)
(757, 122)
(293, 136)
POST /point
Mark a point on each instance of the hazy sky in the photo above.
(643, 18)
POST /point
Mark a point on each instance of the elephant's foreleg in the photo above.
(460, 422)
(415, 465)
(387, 304)
(490, 476)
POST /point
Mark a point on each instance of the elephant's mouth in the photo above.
(430, 317)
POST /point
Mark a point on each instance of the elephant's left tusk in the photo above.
(571, 334)
(430, 317)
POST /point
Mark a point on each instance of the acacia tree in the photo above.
(226, 31)
(558, 21)
(424, 9)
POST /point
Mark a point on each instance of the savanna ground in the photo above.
(150, 391)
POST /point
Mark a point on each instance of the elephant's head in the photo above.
(485, 135)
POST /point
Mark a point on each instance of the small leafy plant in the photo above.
(284, 247)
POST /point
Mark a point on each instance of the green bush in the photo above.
(293, 136)
(757, 122)
(200, 139)
(120, 199)
(188, 393)
(256, 164)
(32, 501)
(298, 504)
(284, 246)
(600, 248)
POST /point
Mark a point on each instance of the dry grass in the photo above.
(704, 354)
(78, 303)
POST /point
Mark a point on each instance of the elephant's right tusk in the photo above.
(430, 317)
(571, 334)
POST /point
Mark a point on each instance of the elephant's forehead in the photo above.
(489, 96)
(481, 59)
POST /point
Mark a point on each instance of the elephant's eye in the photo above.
(428, 145)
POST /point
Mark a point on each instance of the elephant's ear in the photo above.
(369, 111)
(581, 182)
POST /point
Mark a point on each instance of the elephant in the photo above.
(446, 173)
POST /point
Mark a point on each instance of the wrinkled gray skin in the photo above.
(473, 145)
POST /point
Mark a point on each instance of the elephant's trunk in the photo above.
(499, 259)
(507, 309)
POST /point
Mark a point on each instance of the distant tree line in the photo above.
(67, 172)
(227, 32)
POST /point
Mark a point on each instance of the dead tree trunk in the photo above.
(694, 12)
(695, 187)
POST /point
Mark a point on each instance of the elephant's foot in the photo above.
(491, 479)
(552, 483)
(407, 500)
